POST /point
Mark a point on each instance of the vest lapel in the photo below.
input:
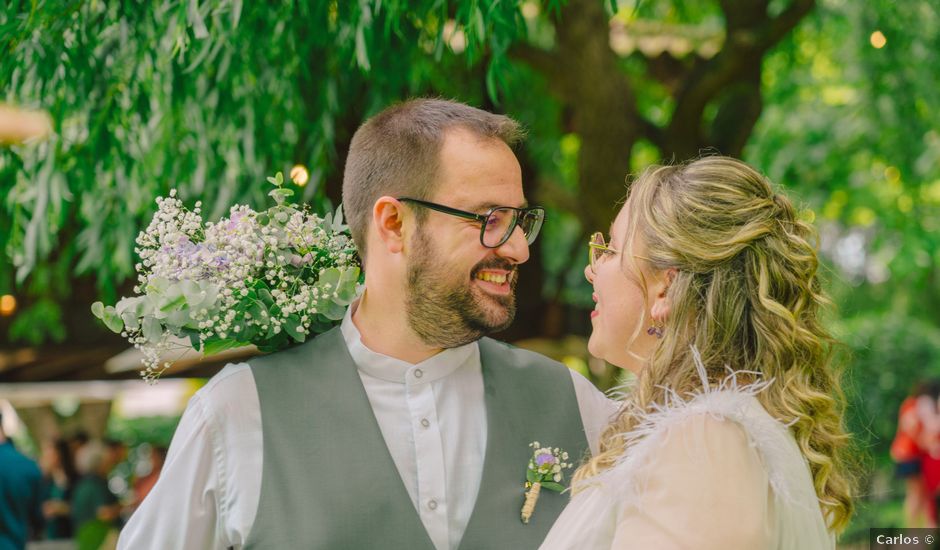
(515, 413)
(329, 480)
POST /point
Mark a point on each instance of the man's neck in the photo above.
(385, 329)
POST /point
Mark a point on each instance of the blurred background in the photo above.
(109, 104)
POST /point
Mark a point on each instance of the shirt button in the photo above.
(432, 504)
(425, 422)
(419, 373)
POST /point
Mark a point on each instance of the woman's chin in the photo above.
(595, 348)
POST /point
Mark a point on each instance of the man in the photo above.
(20, 495)
(401, 428)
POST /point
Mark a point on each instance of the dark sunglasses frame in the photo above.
(520, 214)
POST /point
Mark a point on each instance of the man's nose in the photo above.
(516, 247)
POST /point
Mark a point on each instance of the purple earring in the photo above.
(655, 330)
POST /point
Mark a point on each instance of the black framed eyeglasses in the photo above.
(498, 223)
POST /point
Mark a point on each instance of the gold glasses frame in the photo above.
(597, 248)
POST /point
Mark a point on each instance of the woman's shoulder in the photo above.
(714, 432)
(705, 425)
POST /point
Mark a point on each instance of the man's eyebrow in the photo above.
(484, 206)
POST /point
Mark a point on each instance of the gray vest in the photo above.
(329, 482)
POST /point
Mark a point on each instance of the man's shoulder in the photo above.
(232, 377)
(231, 388)
(308, 349)
(520, 357)
(12, 458)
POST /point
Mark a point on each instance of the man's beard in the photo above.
(443, 310)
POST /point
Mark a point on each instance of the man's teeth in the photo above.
(492, 277)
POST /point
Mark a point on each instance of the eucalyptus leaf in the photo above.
(193, 293)
(157, 285)
(211, 347)
(128, 305)
(292, 326)
(112, 320)
(152, 329)
(329, 276)
(131, 321)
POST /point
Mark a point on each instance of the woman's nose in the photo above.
(589, 273)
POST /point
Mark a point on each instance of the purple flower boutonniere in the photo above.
(544, 471)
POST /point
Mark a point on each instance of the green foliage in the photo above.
(889, 354)
(205, 97)
(854, 130)
(155, 430)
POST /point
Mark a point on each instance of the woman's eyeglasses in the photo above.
(597, 249)
(498, 223)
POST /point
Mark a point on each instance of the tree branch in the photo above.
(787, 20)
(751, 32)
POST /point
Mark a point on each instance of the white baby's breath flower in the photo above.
(205, 275)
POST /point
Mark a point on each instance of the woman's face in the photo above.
(621, 308)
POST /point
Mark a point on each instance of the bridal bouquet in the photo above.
(268, 278)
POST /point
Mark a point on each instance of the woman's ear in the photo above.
(388, 219)
(660, 308)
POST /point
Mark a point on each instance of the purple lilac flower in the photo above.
(544, 458)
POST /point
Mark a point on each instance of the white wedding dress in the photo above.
(712, 471)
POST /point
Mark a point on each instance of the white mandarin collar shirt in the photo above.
(390, 369)
(432, 416)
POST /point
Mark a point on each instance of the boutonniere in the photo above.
(544, 471)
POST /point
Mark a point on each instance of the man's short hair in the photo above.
(396, 153)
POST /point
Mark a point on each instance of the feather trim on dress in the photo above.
(728, 400)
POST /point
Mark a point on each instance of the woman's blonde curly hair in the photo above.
(747, 295)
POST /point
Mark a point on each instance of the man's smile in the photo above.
(494, 281)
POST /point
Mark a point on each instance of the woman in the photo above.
(732, 436)
(915, 451)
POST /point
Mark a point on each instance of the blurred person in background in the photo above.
(20, 486)
(77, 441)
(916, 451)
(144, 484)
(92, 499)
(59, 478)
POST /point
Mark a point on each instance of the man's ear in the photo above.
(660, 308)
(388, 220)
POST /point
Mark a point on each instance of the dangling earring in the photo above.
(656, 329)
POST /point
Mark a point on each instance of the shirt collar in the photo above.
(391, 369)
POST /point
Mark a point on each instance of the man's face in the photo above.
(458, 290)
